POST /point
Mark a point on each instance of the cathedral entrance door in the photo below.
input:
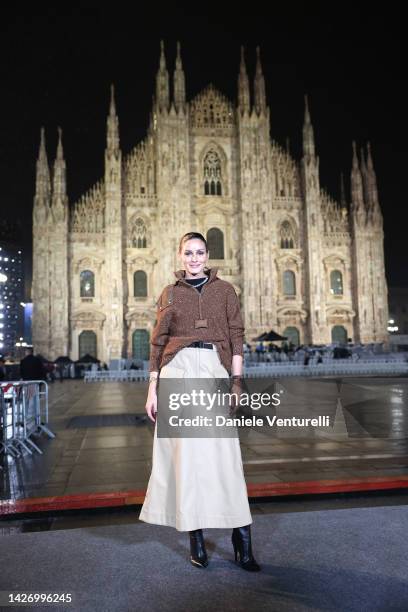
(292, 334)
(339, 335)
(140, 344)
(87, 343)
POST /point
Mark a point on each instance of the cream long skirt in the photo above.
(196, 483)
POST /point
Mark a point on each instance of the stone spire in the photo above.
(259, 86)
(112, 128)
(179, 83)
(308, 134)
(43, 181)
(244, 101)
(371, 180)
(357, 193)
(162, 83)
(364, 175)
(59, 194)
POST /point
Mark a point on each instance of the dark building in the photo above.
(11, 288)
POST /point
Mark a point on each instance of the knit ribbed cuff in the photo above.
(237, 349)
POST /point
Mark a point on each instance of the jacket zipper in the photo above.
(199, 303)
(199, 295)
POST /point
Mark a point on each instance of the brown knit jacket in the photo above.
(180, 305)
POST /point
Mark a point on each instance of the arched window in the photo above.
(140, 344)
(287, 238)
(336, 282)
(140, 284)
(139, 234)
(87, 280)
(212, 174)
(289, 283)
(292, 334)
(87, 344)
(215, 240)
(339, 334)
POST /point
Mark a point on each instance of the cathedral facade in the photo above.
(302, 264)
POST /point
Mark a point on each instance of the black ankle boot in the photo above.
(241, 540)
(197, 549)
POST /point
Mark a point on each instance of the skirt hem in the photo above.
(205, 522)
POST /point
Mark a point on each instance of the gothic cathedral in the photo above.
(304, 265)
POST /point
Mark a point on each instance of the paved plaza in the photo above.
(103, 442)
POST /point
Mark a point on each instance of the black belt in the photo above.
(200, 344)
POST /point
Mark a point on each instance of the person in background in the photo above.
(32, 368)
(60, 372)
(3, 374)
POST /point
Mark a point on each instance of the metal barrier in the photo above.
(23, 413)
(338, 367)
(328, 367)
(116, 376)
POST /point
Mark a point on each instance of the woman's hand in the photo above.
(236, 383)
(236, 391)
(151, 402)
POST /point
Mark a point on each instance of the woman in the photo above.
(198, 483)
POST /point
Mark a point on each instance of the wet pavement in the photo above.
(368, 437)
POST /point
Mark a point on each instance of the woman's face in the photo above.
(194, 257)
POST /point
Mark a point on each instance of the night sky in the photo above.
(57, 70)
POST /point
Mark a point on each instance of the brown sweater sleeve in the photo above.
(160, 334)
(235, 323)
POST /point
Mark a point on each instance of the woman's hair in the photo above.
(191, 235)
